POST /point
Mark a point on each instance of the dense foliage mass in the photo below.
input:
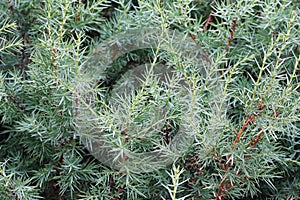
(240, 116)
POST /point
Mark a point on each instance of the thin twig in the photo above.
(11, 6)
(219, 161)
(193, 38)
(259, 135)
(15, 101)
(222, 187)
(230, 39)
(246, 123)
(209, 19)
(54, 51)
(77, 16)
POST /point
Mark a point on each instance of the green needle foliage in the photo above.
(242, 116)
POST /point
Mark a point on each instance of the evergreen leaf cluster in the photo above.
(149, 99)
